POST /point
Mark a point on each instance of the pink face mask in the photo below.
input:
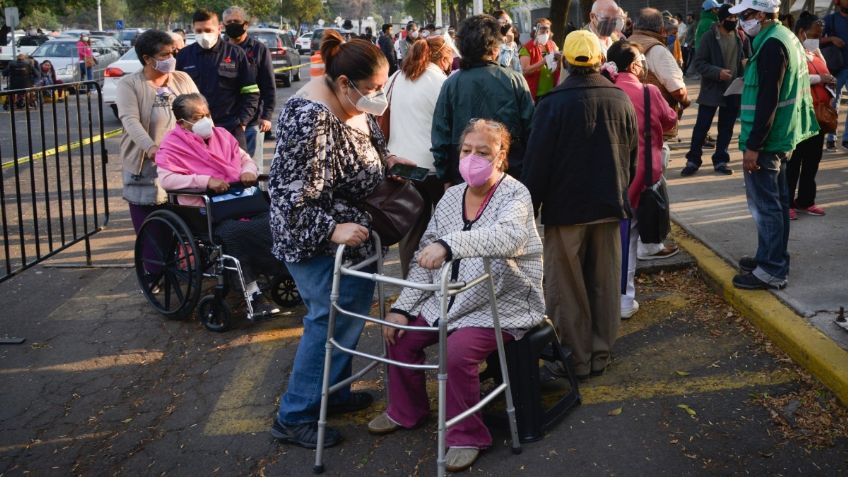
(475, 170)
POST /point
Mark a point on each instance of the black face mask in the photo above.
(728, 25)
(234, 30)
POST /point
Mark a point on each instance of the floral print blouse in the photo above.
(322, 169)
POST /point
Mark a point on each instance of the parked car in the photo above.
(125, 65)
(25, 44)
(316, 37)
(63, 55)
(127, 37)
(283, 52)
(111, 42)
(304, 43)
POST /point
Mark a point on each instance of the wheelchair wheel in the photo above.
(168, 264)
(215, 314)
(284, 291)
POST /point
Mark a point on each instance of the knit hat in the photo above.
(724, 12)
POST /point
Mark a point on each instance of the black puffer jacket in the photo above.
(582, 152)
(709, 61)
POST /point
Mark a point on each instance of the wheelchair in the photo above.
(176, 250)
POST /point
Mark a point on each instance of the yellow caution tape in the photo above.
(63, 148)
(280, 70)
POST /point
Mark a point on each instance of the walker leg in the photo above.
(440, 458)
(510, 406)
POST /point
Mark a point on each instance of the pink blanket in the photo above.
(184, 152)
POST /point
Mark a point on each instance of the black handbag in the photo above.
(653, 218)
(238, 202)
(394, 207)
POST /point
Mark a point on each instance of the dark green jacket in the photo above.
(487, 91)
(704, 24)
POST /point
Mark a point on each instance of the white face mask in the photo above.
(811, 44)
(751, 26)
(206, 40)
(425, 34)
(542, 38)
(414, 34)
(202, 127)
(375, 103)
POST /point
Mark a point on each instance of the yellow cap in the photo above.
(581, 48)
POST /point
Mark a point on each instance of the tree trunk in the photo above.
(452, 14)
(586, 7)
(559, 14)
(463, 9)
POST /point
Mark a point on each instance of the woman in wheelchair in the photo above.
(491, 215)
(198, 155)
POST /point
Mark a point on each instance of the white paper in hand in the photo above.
(735, 87)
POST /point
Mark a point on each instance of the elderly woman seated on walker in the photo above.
(198, 155)
(490, 215)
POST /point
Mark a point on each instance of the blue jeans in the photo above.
(768, 201)
(841, 83)
(255, 145)
(86, 74)
(314, 277)
(726, 119)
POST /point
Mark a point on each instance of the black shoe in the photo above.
(357, 402)
(831, 146)
(689, 170)
(747, 281)
(747, 264)
(709, 143)
(845, 144)
(723, 169)
(304, 435)
(262, 307)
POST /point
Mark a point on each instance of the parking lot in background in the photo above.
(103, 385)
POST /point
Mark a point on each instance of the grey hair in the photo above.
(234, 11)
(185, 104)
(650, 19)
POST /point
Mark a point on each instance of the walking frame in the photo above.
(448, 290)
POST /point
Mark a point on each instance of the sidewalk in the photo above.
(713, 209)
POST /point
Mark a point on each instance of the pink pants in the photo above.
(408, 403)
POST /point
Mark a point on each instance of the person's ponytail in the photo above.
(357, 59)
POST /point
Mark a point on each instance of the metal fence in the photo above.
(53, 192)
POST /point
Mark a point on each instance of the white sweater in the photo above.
(506, 233)
(412, 104)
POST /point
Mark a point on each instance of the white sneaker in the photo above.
(629, 312)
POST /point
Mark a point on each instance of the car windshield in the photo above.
(56, 49)
(269, 39)
(129, 55)
(32, 40)
(128, 34)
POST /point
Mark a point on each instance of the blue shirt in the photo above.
(223, 75)
(837, 25)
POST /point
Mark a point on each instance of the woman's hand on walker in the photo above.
(433, 256)
(350, 234)
(247, 178)
(389, 332)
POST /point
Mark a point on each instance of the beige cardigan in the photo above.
(135, 99)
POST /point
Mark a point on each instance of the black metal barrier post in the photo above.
(53, 192)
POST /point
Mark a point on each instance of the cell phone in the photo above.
(412, 173)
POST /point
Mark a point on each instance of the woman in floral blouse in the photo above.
(330, 156)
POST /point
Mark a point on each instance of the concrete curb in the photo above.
(805, 344)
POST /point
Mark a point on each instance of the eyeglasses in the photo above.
(747, 14)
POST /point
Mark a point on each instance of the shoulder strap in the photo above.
(649, 162)
(391, 86)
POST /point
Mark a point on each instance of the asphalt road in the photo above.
(105, 386)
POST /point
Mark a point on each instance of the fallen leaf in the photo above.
(682, 373)
(688, 409)
(614, 412)
(129, 419)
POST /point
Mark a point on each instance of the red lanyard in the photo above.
(487, 198)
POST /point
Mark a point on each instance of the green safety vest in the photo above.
(794, 119)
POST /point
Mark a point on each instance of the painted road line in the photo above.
(805, 344)
(62, 148)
